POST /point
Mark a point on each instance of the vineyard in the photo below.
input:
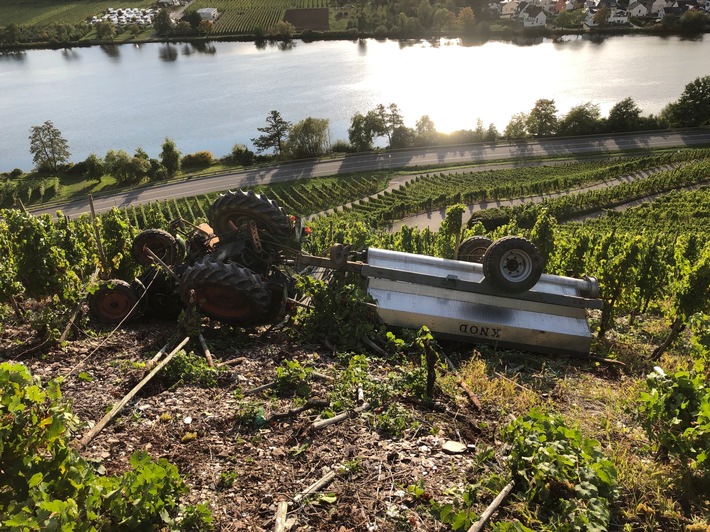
(608, 443)
(248, 16)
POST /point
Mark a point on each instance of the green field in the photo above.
(45, 12)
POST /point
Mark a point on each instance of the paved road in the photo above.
(384, 160)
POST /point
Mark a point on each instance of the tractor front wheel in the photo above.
(114, 302)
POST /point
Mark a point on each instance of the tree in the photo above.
(94, 167)
(162, 22)
(125, 168)
(12, 34)
(542, 120)
(624, 116)
(693, 21)
(601, 16)
(384, 121)
(49, 149)
(584, 119)
(517, 127)
(283, 31)
(309, 138)
(425, 130)
(170, 158)
(360, 132)
(403, 137)
(467, 20)
(692, 109)
(275, 134)
(193, 18)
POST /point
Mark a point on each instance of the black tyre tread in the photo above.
(122, 288)
(156, 235)
(229, 276)
(265, 211)
(494, 255)
(471, 245)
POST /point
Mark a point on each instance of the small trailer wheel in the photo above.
(512, 264)
(473, 248)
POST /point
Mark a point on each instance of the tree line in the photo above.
(281, 139)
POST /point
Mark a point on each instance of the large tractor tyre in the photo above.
(513, 264)
(161, 299)
(161, 243)
(114, 302)
(472, 249)
(226, 292)
(235, 208)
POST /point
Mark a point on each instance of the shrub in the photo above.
(562, 472)
(241, 155)
(200, 158)
(675, 412)
(46, 485)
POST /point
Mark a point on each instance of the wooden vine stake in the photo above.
(118, 407)
(206, 349)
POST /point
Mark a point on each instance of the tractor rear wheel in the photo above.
(473, 248)
(161, 243)
(226, 292)
(234, 209)
(114, 302)
(512, 264)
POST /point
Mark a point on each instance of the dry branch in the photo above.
(280, 518)
(340, 417)
(471, 396)
(260, 388)
(485, 516)
(318, 484)
(153, 361)
(118, 407)
(312, 403)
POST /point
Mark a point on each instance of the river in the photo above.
(213, 96)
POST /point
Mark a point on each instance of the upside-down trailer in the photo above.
(235, 273)
(455, 301)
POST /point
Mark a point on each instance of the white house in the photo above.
(208, 13)
(535, 18)
(637, 9)
(656, 6)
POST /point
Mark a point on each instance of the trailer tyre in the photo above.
(226, 292)
(114, 302)
(512, 264)
(161, 243)
(473, 248)
(235, 208)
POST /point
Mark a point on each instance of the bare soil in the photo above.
(243, 472)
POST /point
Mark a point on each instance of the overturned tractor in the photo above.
(239, 269)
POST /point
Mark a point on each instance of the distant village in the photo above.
(535, 13)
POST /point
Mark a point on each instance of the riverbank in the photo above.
(484, 32)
